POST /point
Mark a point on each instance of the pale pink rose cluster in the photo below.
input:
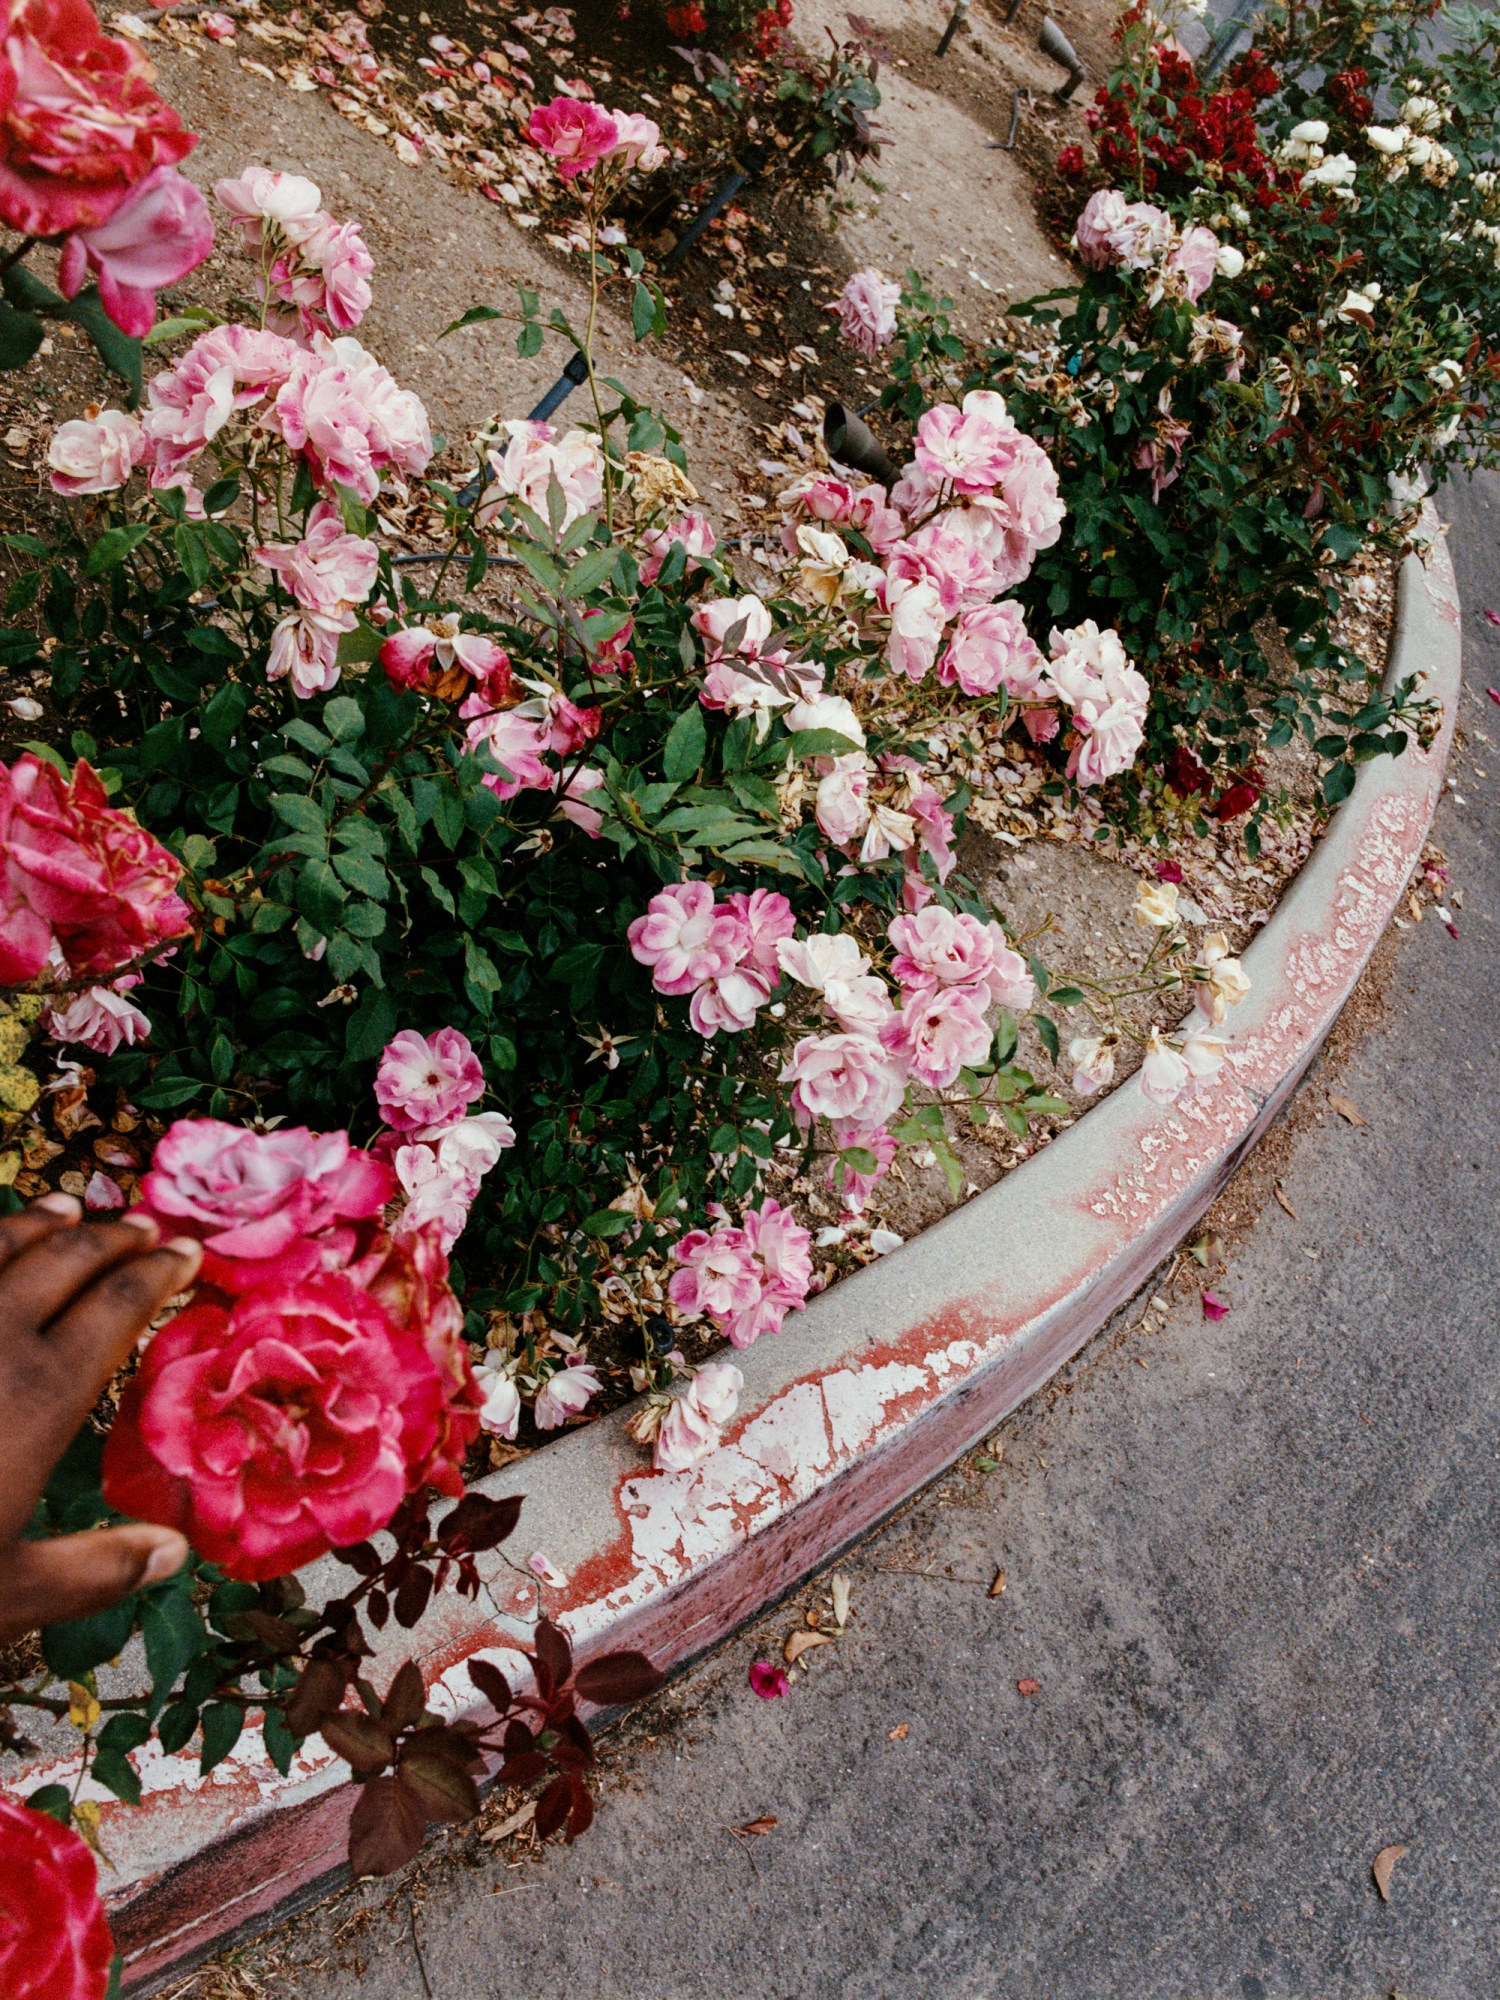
(867, 311)
(532, 459)
(1091, 673)
(723, 954)
(315, 271)
(100, 1018)
(692, 529)
(694, 1422)
(522, 737)
(746, 1277)
(327, 573)
(1175, 1070)
(578, 135)
(951, 968)
(425, 1086)
(332, 404)
(1139, 236)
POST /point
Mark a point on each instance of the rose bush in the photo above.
(54, 1941)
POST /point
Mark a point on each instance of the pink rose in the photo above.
(1104, 213)
(328, 569)
(917, 624)
(844, 1076)
(226, 369)
(565, 1394)
(95, 454)
(100, 1019)
(438, 1198)
(696, 535)
(75, 870)
(1196, 257)
(767, 917)
(569, 726)
(533, 459)
(685, 938)
(418, 656)
(686, 1435)
(333, 288)
(305, 648)
(427, 1081)
(291, 1422)
(968, 449)
(737, 624)
(720, 1275)
(573, 799)
(576, 134)
(407, 1276)
(54, 1940)
(268, 1207)
(942, 947)
(715, 1390)
(842, 807)
(990, 648)
(344, 414)
(638, 141)
(256, 199)
(855, 1185)
(745, 1278)
(1090, 671)
(81, 126)
(159, 233)
(729, 1001)
(867, 311)
(934, 828)
(958, 565)
(517, 741)
(938, 1033)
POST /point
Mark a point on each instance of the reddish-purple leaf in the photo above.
(317, 1694)
(517, 1737)
(553, 1807)
(446, 1792)
(491, 1683)
(379, 1607)
(360, 1556)
(411, 1598)
(277, 1635)
(574, 1748)
(554, 1656)
(385, 1828)
(364, 1744)
(1213, 1306)
(618, 1678)
(769, 1681)
(405, 1699)
(480, 1523)
(523, 1770)
(581, 1818)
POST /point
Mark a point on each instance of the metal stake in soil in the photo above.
(956, 20)
(749, 164)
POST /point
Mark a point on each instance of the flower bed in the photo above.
(542, 933)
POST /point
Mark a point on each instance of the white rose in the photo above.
(1388, 139)
(1311, 132)
(1157, 905)
(1230, 261)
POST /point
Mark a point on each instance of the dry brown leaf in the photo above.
(514, 1824)
(1282, 1201)
(1346, 1108)
(1382, 1866)
(997, 1588)
(799, 1643)
(900, 1733)
(767, 1823)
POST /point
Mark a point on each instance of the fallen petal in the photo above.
(768, 1680)
(1213, 1306)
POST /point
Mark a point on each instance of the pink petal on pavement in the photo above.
(102, 1192)
(1493, 693)
(1168, 871)
(769, 1681)
(1493, 616)
(1213, 1307)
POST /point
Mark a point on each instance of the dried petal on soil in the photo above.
(1383, 1865)
(1346, 1108)
(801, 1642)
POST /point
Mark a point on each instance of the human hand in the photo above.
(74, 1298)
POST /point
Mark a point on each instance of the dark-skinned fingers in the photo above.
(43, 1218)
(96, 1332)
(44, 1583)
(45, 1277)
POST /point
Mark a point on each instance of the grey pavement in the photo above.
(1255, 1579)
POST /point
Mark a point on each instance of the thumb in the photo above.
(46, 1583)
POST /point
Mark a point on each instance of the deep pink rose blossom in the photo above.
(768, 1680)
(54, 1940)
(268, 1207)
(159, 233)
(76, 871)
(576, 134)
(939, 1032)
(329, 568)
(427, 1081)
(867, 311)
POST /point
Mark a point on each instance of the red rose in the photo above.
(294, 1422)
(54, 1942)
(1238, 799)
(408, 1276)
(76, 871)
(1070, 163)
(268, 1207)
(80, 123)
(686, 20)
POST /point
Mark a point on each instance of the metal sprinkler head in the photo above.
(1055, 45)
(851, 441)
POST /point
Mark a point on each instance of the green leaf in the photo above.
(370, 1026)
(222, 1723)
(174, 1635)
(1046, 1027)
(475, 316)
(815, 743)
(54, 1800)
(344, 717)
(191, 553)
(74, 1649)
(687, 740)
(168, 1092)
(363, 643)
(299, 811)
(281, 1744)
(606, 1222)
(113, 1769)
(112, 547)
(21, 334)
(1338, 783)
(644, 311)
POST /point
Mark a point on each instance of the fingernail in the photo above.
(59, 1204)
(189, 1249)
(138, 1219)
(165, 1559)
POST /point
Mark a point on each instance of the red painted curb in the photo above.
(880, 1385)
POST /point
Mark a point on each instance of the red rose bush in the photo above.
(54, 1941)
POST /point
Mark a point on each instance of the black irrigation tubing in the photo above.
(746, 167)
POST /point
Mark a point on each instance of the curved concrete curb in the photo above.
(887, 1379)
